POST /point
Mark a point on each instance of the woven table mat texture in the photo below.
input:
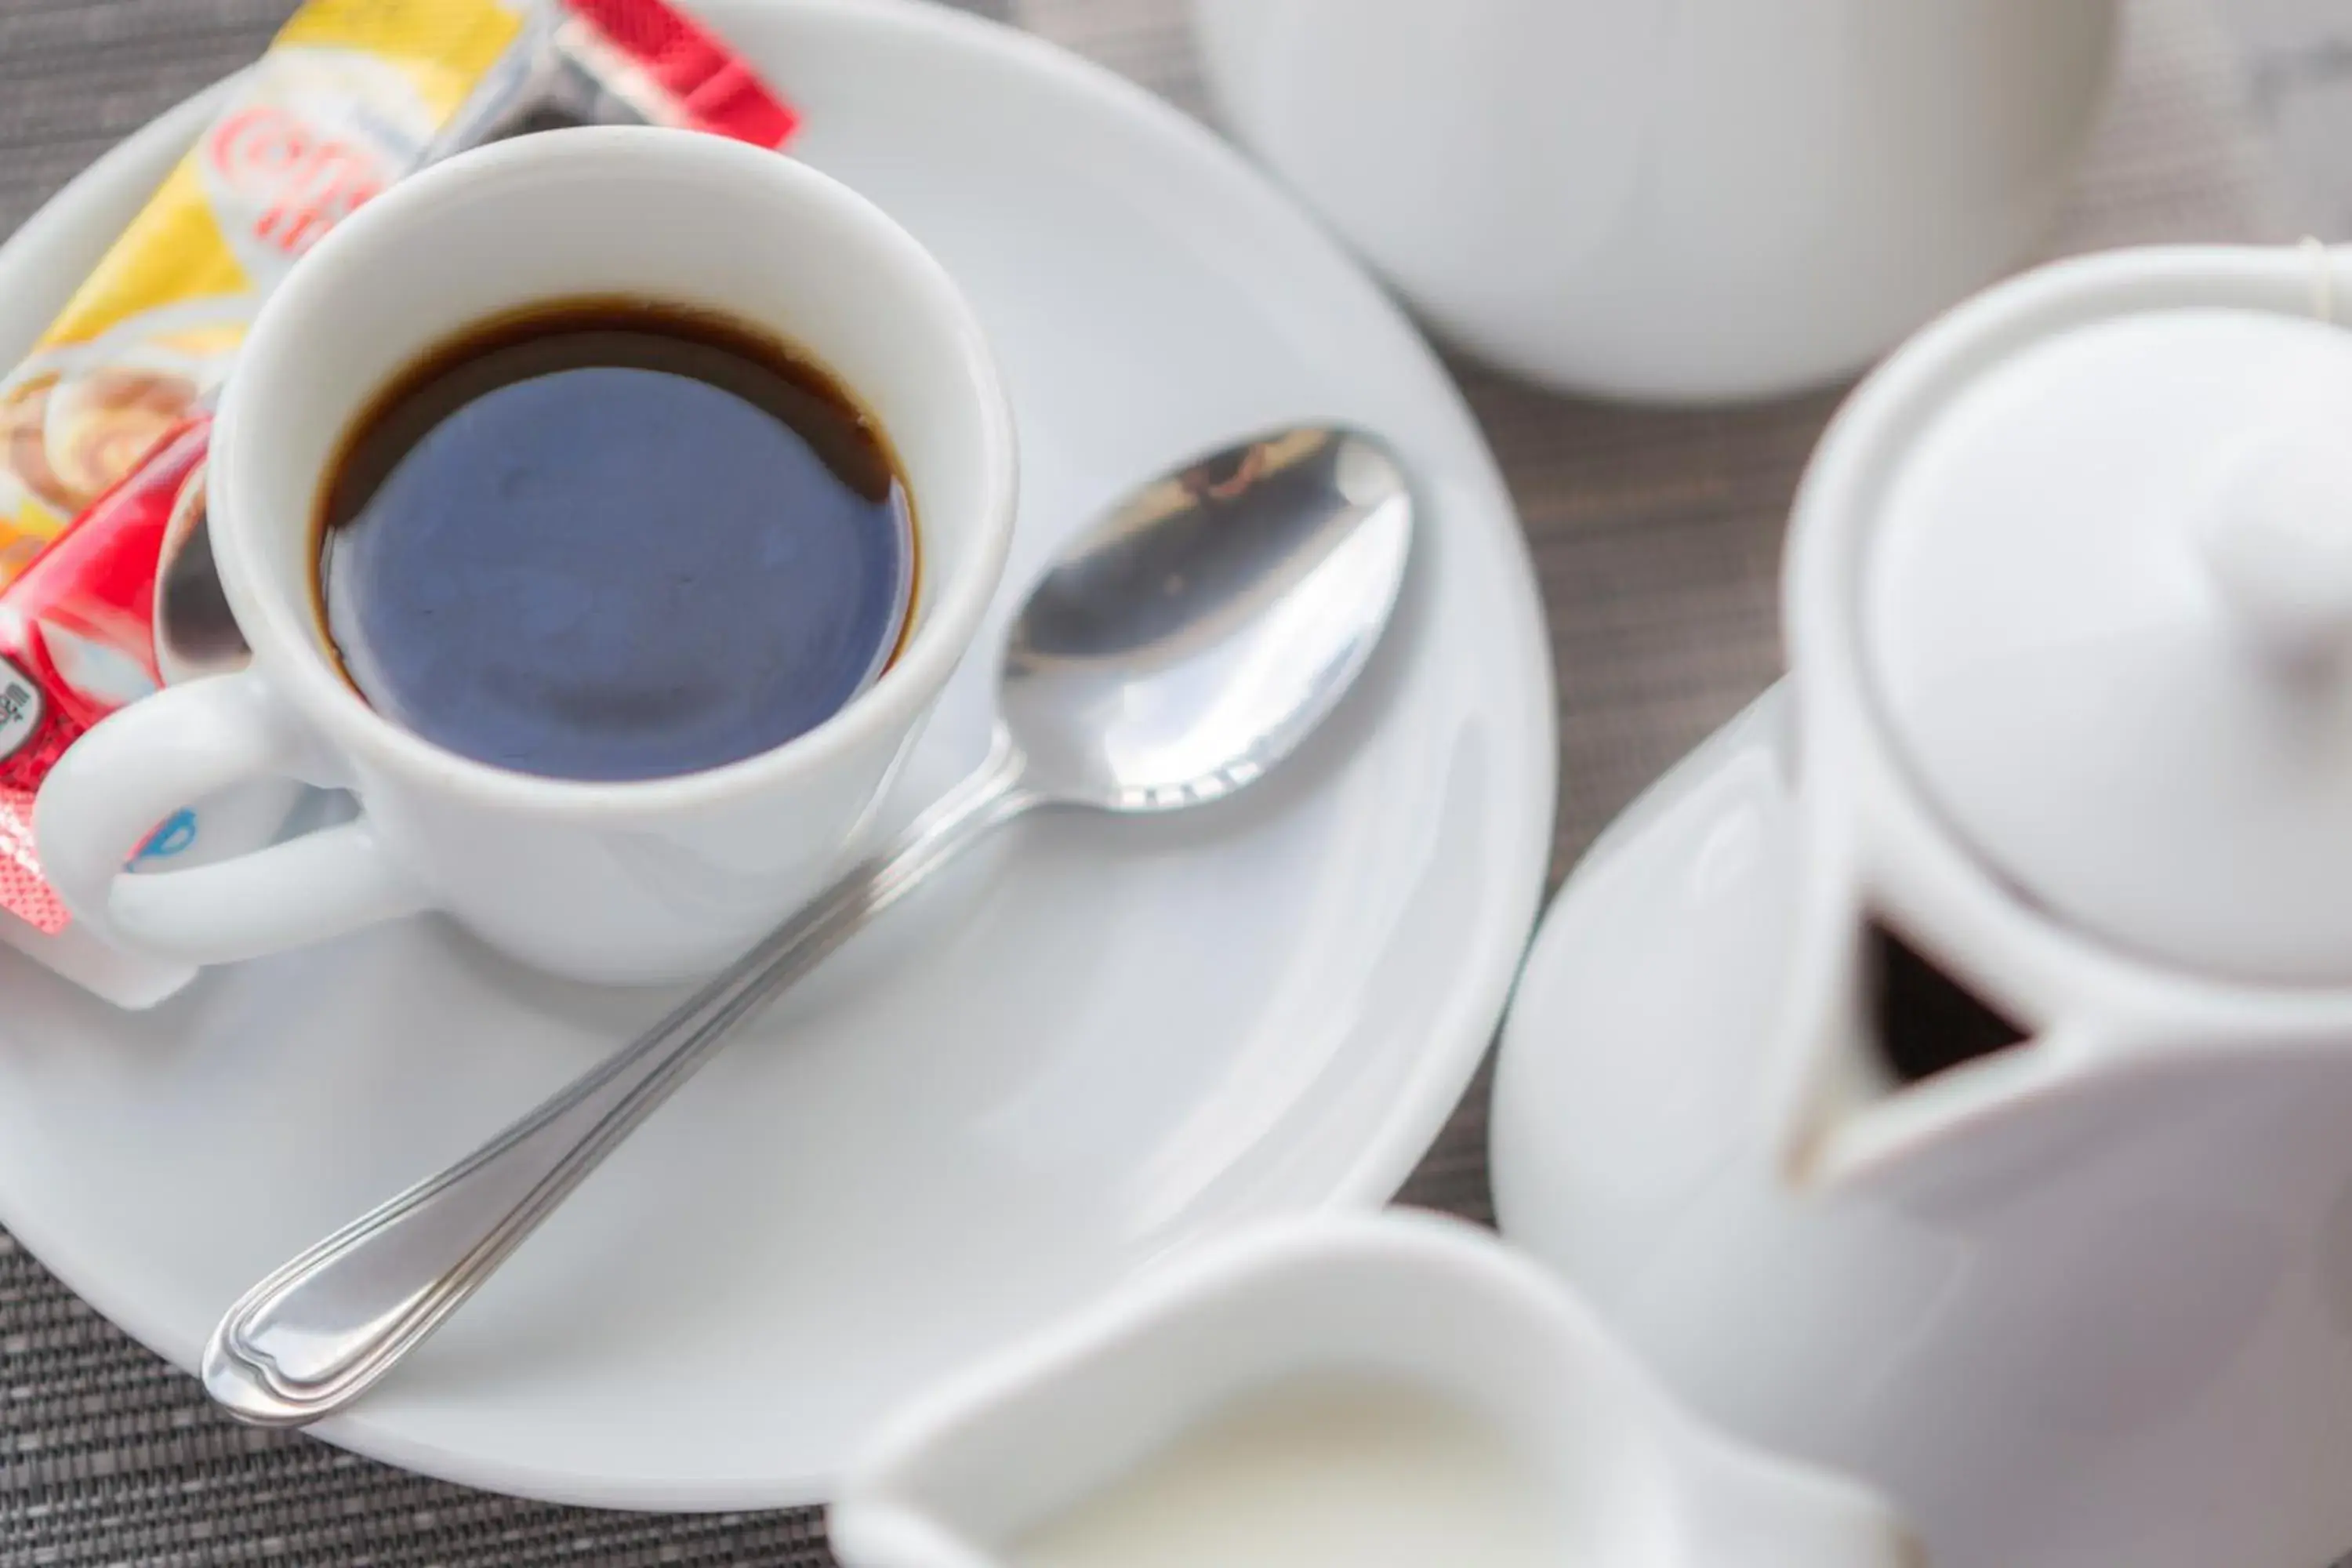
(1656, 534)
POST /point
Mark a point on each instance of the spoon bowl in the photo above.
(1192, 639)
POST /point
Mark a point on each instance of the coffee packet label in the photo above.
(348, 97)
(104, 423)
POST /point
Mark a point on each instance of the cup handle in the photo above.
(134, 770)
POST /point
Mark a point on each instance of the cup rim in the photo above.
(284, 637)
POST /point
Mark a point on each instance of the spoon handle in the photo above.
(320, 1331)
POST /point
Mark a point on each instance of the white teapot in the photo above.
(1946, 1074)
(1334, 1394)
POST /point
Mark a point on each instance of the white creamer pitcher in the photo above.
(1509, 1373)
(1946, 1073)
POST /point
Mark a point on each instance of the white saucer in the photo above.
(1100, 1042)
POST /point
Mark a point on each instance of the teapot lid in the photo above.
(2107, 612)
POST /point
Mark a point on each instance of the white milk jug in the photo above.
(1383, 1392)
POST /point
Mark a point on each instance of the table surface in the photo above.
(1656, 536)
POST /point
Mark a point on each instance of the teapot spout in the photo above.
(1896, 1055)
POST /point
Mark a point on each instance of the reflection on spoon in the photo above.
(195, 635)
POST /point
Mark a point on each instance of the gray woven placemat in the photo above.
(1656, 536)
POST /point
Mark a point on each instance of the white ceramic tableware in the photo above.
(630, 882)
(1945, 1073)
(1714, 199)
(1322, 1356)
(1187, 643)
(1088, 1051)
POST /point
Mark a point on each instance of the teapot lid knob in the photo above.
(2276, 535)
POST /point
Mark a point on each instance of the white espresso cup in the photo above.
(631, 882)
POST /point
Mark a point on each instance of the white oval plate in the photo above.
(1099, 1041)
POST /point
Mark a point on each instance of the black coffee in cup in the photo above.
(612, 540)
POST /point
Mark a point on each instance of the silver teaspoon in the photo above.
(1176, 650)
